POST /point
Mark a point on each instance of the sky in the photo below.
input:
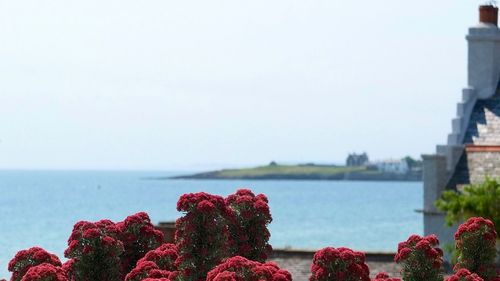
(173, 85)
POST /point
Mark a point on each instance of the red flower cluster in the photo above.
(383, 276)
(147, 269)
(201, 234)
(477, 225)
(340, 264)
(464, 275)
(248, 228)
(476, 246)
(241, 269)
(68, 268)
(164, 257)
(422, 260)
(138, 236)
(200, 202)
(45, 272)
(26, 259)
(95, 250)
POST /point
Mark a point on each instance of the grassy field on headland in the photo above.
(304, 172)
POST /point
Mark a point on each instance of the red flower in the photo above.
(341, 264)
(94, 250)
(382, 276)
(226, 276)
(421, 258)
(164, 257)
(45, 272)
(146, 269)
(403, 254)
(139, 236)
(476, 246)
(205, 206)
(241, 269)
(26, 259)
(464, 275)
(91, 233)
(249, 219)
(201, 234)
(433, 239)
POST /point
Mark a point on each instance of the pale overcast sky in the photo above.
(199, 84)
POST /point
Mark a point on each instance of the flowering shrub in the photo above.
(138, 236)
(68, 268)
(249, 220)
(158, 263)
(26, 259)
(201, 234)
(212, 229)
(95, 252)
(383, 276)
(45, 272)
(164, 257)
(241, 269)
(341, 264)
(146, 269)
(422, 260)
(464, 275)
(476, 246)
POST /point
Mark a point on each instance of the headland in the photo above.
(274, 171)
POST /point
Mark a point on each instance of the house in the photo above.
(472, 151)
(393, 166)
(357, 160)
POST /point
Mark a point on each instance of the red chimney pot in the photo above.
(488, 14)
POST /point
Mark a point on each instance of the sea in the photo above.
(39, 208)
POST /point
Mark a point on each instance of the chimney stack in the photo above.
(488, 14)
(484, 53)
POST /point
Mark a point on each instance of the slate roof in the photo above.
(484, 123)
(461, 174)
(483, 129)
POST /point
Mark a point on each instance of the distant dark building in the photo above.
(357, 160)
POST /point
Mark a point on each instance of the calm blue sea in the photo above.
(40, 208)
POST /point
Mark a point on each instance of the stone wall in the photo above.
(435, 178)
(482, 162)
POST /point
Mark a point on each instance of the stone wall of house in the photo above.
(482, 165)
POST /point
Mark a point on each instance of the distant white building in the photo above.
(393, 166)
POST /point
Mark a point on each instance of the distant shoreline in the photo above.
(302, 172)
